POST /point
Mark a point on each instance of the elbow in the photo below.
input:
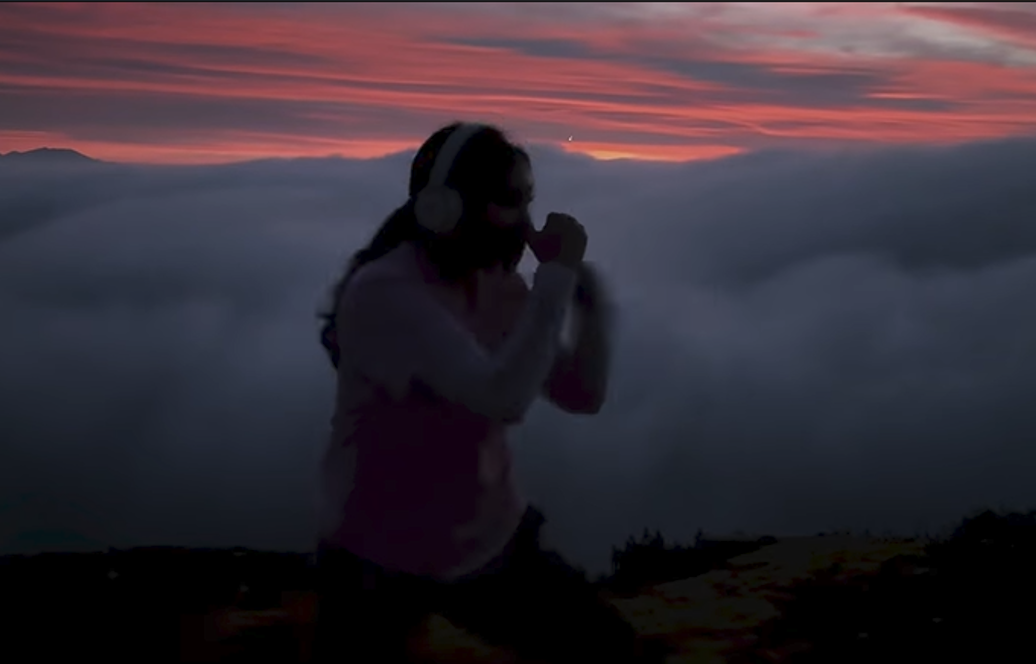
(592, 405)
(577, 394)
(580, 402)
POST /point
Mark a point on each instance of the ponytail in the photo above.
(400, 227)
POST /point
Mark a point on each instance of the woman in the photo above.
(439, 346)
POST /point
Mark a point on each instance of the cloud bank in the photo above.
(806, 341)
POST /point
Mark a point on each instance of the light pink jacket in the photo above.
(417, 475)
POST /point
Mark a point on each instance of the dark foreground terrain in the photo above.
(828, 598)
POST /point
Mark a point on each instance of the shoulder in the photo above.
(383, 282)
(399, 264)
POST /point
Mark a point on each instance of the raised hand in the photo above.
(563, 240)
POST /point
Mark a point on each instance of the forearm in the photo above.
(579, 380)
(591, 354)
(397, 335)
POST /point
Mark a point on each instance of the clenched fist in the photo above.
(562, 240)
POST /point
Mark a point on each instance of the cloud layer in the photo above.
(664, 81)
(806, 342)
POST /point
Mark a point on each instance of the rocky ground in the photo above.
(833, 598)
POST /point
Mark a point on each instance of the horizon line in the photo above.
(709, 154)
(594, 151)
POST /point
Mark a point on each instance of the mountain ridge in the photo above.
(49, 155)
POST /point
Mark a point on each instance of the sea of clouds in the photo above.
(806, 341)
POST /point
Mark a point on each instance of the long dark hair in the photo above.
(480, 174)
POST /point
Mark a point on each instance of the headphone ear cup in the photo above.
(438, 209)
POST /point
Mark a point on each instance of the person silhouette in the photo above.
(439, 347)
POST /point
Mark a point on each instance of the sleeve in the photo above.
(394, 333)
(578, 380)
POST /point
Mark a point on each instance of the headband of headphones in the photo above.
(456, 141)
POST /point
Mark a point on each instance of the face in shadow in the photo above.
(507, 218)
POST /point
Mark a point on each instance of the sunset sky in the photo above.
(182, 83)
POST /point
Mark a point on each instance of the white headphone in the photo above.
(438, 207)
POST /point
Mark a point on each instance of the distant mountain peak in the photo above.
(49, 155)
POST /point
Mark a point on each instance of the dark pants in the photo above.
(528, 600)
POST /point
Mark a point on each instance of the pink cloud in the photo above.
(363, 80)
